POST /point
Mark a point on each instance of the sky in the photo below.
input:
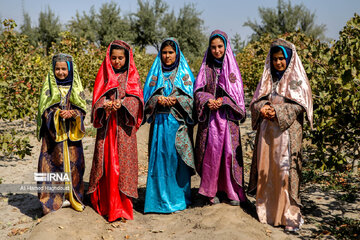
(226, 15)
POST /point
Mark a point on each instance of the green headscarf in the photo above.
(50, 93)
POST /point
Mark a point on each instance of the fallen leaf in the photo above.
(61, 227)
(115, 225)
(127, 237)
(17, 231)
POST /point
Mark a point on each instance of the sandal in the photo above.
(291, 229)
(234, 203)
(214, 200)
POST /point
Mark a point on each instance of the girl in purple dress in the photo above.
(219, 102)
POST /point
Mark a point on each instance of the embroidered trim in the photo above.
(294, 84)
(153, 81)
(232, 78)
(188, 83)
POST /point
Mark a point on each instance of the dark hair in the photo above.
(114, 46)
(168, 43)
(211, 60)
(275, 49)
(217, 36)
(126, 53)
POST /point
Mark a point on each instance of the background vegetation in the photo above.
(332, 149)
(332, 68)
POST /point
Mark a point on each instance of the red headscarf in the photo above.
(106, 80)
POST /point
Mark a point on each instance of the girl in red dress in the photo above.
(117, 111)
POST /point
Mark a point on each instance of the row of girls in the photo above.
(173, 102)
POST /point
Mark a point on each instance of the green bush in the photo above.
(337, 111)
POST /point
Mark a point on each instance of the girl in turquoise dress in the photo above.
(168, 96)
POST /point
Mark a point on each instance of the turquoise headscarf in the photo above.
(184, 79)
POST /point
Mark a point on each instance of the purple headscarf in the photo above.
(230, 78)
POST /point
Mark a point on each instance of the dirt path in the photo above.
(21, 214)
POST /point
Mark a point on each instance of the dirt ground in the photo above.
(21, 217)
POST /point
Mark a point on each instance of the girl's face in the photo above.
(217, 48)
(168, 55)
(117, 58)
(279, 61)
(61, 70)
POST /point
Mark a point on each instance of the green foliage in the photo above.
(102, 27)
(49, 28)
(147, 23)
(187, 29)
(143, 63)
(10, 146)
(152, 23)
(347, 185)
(21, 72)
(28, 30)
(286, 19)
(85, 26)
(337, 109)
(237, 44)
(22, 69)
(340, 228)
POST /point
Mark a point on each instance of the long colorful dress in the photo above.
(218, 145)
(114, 172)
(276, 164)
(171, 158)
(61, 149)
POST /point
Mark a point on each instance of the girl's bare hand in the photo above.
(108, 106)
(162, 100)
(116, 105)
(171, 101)
(65, 114)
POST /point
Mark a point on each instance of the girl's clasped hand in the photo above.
(66, 114)
(112, 106)
(268, 112)
(215, 104)
(167, 101)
